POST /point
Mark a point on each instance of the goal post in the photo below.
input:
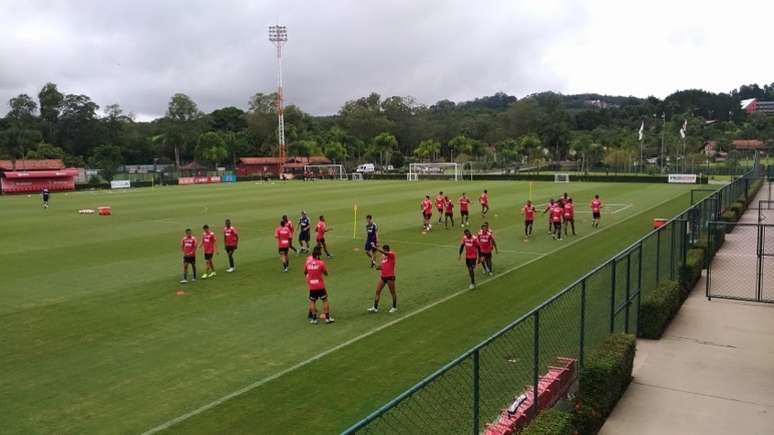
(561, 177)
(434, 170)
(330, 172)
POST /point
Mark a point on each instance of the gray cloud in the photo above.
(139, 53)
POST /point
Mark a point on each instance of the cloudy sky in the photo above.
(138, 53)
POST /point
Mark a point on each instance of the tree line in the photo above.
(493, 130)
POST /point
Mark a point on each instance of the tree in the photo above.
(50, 100)
(228, 119)
(510, 150)
(79, 130)
(385, 143)
(107, 158)
(263, 103)
(46, 151)
(211, 148)
(335, 151)
(460, 144)
(428, 149)
(182, 113)
(21, 133)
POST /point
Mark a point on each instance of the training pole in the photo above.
(354, 221)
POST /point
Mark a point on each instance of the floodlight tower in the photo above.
(279, 36)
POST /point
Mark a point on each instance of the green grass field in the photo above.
(95, 339)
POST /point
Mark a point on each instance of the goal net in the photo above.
(561, 178)
(433, 170)
(325, 172)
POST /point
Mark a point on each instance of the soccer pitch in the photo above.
(95, 339)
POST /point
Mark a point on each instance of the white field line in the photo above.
(439, 245)
(260, 382)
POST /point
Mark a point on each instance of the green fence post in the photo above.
(582, 322)
(535, 363)
(612, 297)
(476, 392)
(628, 284)
(658, 256)
(639, 292)
(672, 252)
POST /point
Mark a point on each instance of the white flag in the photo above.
(684, 129)
(642, 130)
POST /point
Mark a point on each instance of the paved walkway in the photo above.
(711, 373)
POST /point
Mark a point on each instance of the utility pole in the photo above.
(279, 36)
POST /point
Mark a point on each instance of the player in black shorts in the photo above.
(371, 240)
(45, 195)
(304, 226)
(448, 207)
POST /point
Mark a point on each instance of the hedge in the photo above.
(657, 309)
(603, 380)
(551, 422)
(690, 272)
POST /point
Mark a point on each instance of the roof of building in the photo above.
(193, 166)
(32, 165)
(302, 160)
(748, 144)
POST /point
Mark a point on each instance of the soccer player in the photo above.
(231, 240)
(440, 203)
(469, 244)
(427, 213)
(548, 209)
(448, 206)
(304, 227)
(371, 240)
(386, 277)
(486, 242)
(557, 213)
(484, 201)
(320, 231)
(596, 208)
(529, 218)
(188, 246)
(464, 210)
(45, 195)
(210, 248)
(283, 236)
(314, 271)
(289, 224)
(569, 216)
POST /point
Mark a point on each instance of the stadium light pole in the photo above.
(279, 36)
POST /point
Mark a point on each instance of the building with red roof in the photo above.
(26, 176)
(269, 166)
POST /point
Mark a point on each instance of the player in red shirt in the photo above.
(188, 247)
(529, 218)
(486, 242)
(557, 213)
(289, 224)
(569, 216)
(448, 207)
(427, 213)
(315, 270)
(386, 277)
(320, 231)
(210, 247)
(469, 244)
(231, 240)
(440, 205)
(596, 209)
(548, 209)
(283, 236)
(464, 210)
(484, 201)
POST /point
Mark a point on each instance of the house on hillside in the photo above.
(753, 105)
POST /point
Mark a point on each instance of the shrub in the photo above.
(730, 217)
(603, 380)
(657, 309)
(690, 272)
(738, 207)
(551, 422)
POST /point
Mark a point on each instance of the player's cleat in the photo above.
(284, 269)
(230, 269)
(373, 264)
(330, 255)
(491, 273)
(471, 287)
(330, 320)
(183, 281)
(212, 274)
(193, 279)
(393, 309)
(313, 321)
(373, 310)
(205, 276)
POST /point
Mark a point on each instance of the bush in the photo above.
(690, 272)
(551, 422)
(657, 309)
(603, 380)
(738, 207)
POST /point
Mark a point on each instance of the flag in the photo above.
(684, 129)
(642, 130)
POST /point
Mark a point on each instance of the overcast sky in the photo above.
(138, 53)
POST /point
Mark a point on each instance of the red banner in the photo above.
(198, 180)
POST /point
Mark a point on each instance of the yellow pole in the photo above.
(354, 222)
(530, 191)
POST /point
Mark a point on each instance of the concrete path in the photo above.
(711, 373)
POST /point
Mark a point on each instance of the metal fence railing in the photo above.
(470, 391)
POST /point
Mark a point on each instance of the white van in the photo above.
(366, 168)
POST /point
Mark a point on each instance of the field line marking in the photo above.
(373, 331)
(622, 209)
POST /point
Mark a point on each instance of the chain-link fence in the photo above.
(472, 390)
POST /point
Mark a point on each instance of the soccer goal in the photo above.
(357, 176)
(325, 172)
(561, 178)
(433, 170)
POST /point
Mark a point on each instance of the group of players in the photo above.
(477, 247)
